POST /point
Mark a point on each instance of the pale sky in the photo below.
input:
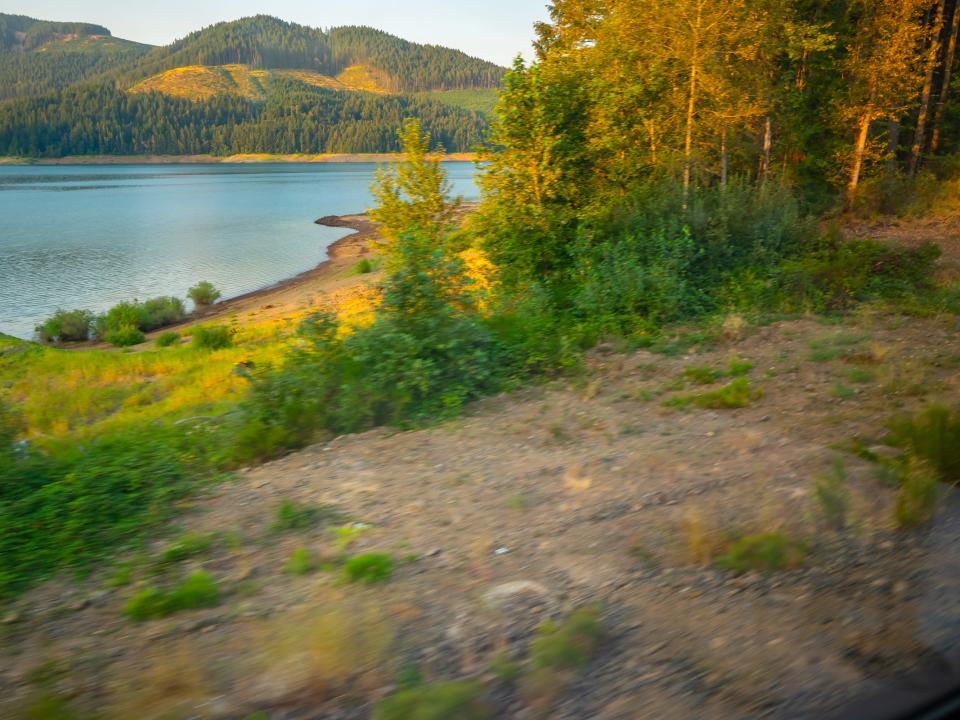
(493, 30)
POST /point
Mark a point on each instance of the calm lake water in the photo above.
(91, 236)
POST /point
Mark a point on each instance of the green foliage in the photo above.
(197, 590)
(934, 436)
(65, 510)
(187, 545)
(735, 394)
(292, 516)
(124, 336)
(833, 499)
(66, 326)
(368, 568)
(413, 196)
(203, 293)
(504, 668)
(702, 375)
(437, 701)
(569, 645)
(212, 337)
(425, 355)
(168, 338)
(364, 267)
(301, 562)
(162, 311)
(767, 552)
(918, 494)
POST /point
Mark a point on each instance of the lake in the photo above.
(90, 236)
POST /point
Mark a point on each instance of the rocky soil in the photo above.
(579, 492)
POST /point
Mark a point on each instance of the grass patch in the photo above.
(700, 375)
(294, 516)
(860, 376)
(767, 552)
(368, 568)
(212, 337)
(198, 590)
(460, 700)
(843, 392)
(301, 562)
(934, 436)
(187, 545)
(832, 497)
(918, 494)
(167, 338)
(735, 394)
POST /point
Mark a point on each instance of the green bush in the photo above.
(67, 326)
(368, 568)
(438, 701)
(569, 645)
(168, 338)
(918, 494)
(767, 552)
(216, 337)
(187, 545)
(198, 590)
(932, 435)
(293, 516)
(300, 563)
(162, 311)
(121, 316)
(124, 336)
(833, 499)
(70, 509)
(425, 355)
(203, 293)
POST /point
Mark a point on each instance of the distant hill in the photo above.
(257, 85)
(38, 56)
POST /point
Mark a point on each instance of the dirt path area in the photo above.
(583, 492)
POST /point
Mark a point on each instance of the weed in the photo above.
(767, 552)
(738, 367)
(301, 562)
(198, 590)
(860, 376)
(505, 669)
(700, 375)
(843, 392)
(168, 338)
(517, 501)
(569, 645)
(918, 494)
(364, 267)
(832, 497)
(345, 535)
(187, 545)
(934, 436)
(293, 516)
(704, 540)
(212, 337)
(439, 701)
(735, 394)
(368, 568)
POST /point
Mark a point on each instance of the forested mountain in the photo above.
(37, 56)
(258, 85)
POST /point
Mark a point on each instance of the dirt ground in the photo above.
(578, 492)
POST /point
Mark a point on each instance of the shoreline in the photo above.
(238, 159)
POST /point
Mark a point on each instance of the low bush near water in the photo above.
(215, 337)
(67, 326)
(124, 336)
(168, 338)
(203, 293)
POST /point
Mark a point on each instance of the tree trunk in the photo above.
(691, 106)
(764, 173)
(919, 138)
(723, 158)
(858, 150)
(947, 72)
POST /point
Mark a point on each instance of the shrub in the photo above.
(124, 336)
(187, 545)
(918, 494)
(216, 337)
(934, 436)
(162, 311)
(66, 326)
(439, 701)
(569, 645)
(364, 267)
(203, 293)
(368, 568)
(197, 590)
(293, 516)
(767, 552)
(702, 375)
(300, 563)
(831, 494)
(121, 316)
(735, 394)
(168, 338)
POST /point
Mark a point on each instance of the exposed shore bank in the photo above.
(245, 158)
